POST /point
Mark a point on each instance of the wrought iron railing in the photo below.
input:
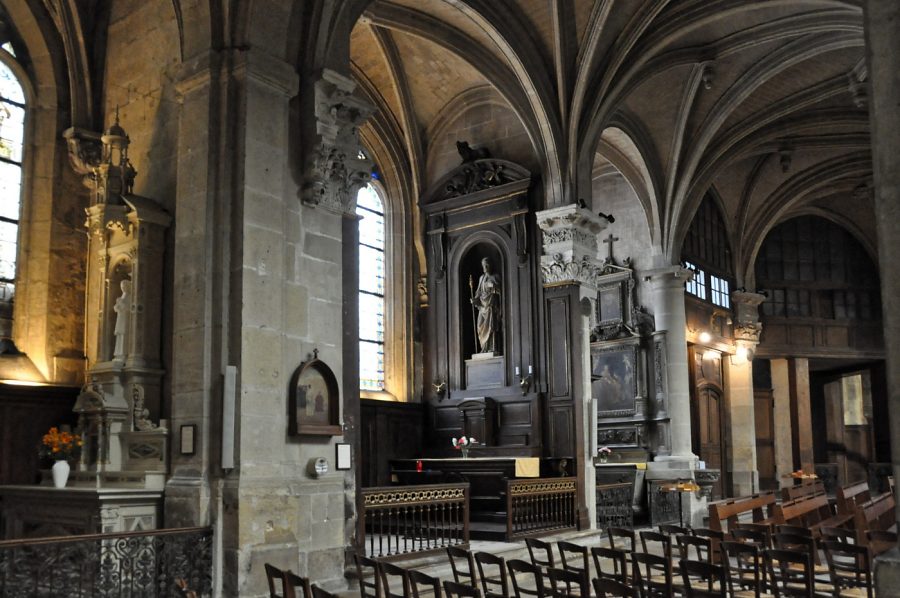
(153, 564)
(539, 505)
(614, 505)
(406, 519)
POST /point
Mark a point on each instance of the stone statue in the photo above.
(122, 309)
(486, 300)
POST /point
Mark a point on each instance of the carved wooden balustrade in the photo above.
(539, 505)
(614, 508)
(401, 520)
(136, 564)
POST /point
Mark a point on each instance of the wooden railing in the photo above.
(149, 564)
(535, 506)
(614, 508)
(405, 519)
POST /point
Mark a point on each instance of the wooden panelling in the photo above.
(562, 431)
(559, 347)
(389, 431)
(26, 413)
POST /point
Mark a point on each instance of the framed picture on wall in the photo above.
(342, 458)
(314, 400)
(614, 378)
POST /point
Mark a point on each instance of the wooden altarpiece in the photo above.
(482, 209)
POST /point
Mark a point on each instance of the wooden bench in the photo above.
(809, 488)
(848, 497)
(813, 512)
(875, 514)
(760, 506)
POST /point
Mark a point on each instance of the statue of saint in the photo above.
(122, 308)
(486, 299)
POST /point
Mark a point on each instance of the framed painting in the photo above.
(614, 380)
(314, 402)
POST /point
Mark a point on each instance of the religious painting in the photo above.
(614, 380)
(609, 304)
(314, 400)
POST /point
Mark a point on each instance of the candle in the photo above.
(529, 369)
(517, 370)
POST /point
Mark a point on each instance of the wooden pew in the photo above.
(796, 491)
(813, 512)
(760, 506)
(875, 514)
(850, 496)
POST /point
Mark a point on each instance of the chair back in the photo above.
(797, 530)
(421, 583)
(367, 574)
(672, 529)
(656, 577)
(293, 581)
(744, 567)
(849, 565)
(703, 579)
(574, 557)
(387, 571)
(790, 573)
(617, 535)
(701, 548)
(275, 577)
(454, 589)
(619, 560)
(649, 538)
(758, 537)
(568, 584)
(492, 571)
(804, 544)
(527, 579)
(540, 552)
(841, 534)
(610, 588)
(318, 592)
(463, 565)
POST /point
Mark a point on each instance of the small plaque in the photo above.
(188, 437)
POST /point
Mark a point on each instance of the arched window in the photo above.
(707, 252)
(12, 131)
(371, 289)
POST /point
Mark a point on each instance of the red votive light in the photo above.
(419, 466)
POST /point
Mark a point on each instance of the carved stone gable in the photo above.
(477, 175)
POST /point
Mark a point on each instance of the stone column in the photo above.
(781, 396)
(739, 382)
(801, 414)
(569, 268)
(883, 51)
(668, 309)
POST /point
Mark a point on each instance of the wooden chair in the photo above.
(421, 583)
(387, 571)
(655, 580)
(715, 539)
(275, 577)
(318, 592)
(292, 582)
(797, 530)
(841, 534)
(703, 579)
(574, 558)
(744, 568)
(880, 541)
(672, 529)
(761, 538)
(623, 535)
(367, 574)
(519, 572)
(649, 539)
(850, 566)
(610, 588)
(619, 563)
(791, 574)
(568, 584)
(540, 553)
(492, 571)
(702, 548)
(463, 566)
(453, 589)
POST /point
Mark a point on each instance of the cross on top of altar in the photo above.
(610, 240)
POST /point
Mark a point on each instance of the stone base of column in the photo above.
(887, 573)
(745, 482)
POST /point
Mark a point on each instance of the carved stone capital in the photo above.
(335, 166)
(85, 151)
(747, 326)
(558, 269)
(571, 232)
(671, 276)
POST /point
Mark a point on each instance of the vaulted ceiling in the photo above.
(762, 103)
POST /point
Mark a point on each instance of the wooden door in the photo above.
(763, 409)
(712, 446)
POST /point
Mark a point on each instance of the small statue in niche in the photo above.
(122, 308)
(486, 300)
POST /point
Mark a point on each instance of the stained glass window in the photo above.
(12, 131)
(371, 289)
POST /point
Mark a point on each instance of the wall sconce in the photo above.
(704, 337)
(524, 383)
(440, 387)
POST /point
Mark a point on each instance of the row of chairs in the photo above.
(284, 583)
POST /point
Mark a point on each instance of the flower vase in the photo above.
(465, 452)
(604, 457)
(60, 472)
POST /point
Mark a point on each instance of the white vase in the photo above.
(60, 473)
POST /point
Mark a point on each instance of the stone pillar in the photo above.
(569, 268)
(801, 415)
(882, 21)
(781, 395)
(739, 382)
(668, 309)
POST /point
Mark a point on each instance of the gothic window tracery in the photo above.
(371, 289)
(12, 133)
